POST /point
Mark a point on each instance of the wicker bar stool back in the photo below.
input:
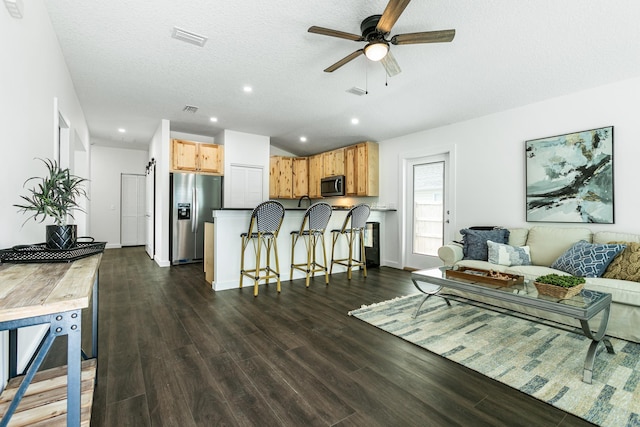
(264, 227)
(311, 231)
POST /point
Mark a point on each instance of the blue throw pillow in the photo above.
(475, 242)
(586, 259)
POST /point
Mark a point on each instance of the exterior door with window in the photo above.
(427, 214)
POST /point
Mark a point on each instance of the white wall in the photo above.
(490, 161)
(29, 82)
(33, 73)
(159, 150)
(107, 165)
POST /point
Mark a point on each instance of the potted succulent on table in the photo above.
(55, 196)
(558, 286)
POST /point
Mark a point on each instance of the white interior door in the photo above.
(427, 213)
(149, 212)
(132, 210)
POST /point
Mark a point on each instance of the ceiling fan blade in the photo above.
(344, 60)
(335, 33)
(390, 64)
(442, 36)
(391, 14)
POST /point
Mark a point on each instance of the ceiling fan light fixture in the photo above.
(375, 51)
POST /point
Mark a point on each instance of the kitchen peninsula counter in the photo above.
(223, 245)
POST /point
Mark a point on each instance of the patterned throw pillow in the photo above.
(508, 255)
(587, 259)
(475, 242)
(625, 266)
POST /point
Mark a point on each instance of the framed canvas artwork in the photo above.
(570, 177)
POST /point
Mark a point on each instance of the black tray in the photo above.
(39, 253)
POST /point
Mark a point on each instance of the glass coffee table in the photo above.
(581, 307)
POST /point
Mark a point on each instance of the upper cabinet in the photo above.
(361, 169)
(367, 169)
(300, 169)
(333, 162)
(288, 177)
(316, 173)
(294, 177)
(197, 157)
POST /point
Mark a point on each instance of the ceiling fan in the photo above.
(375, 30)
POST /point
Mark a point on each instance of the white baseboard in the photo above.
(392, 264)
(162, 262)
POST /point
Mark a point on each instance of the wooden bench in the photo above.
(45, 402)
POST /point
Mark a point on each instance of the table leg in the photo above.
(428, 292)
(94, 318)
(74, 366)
(596, 339)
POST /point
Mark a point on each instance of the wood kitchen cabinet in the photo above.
(300, 169)
(333, 162)
(280, 177)
(350, 170)
(316, 172)
(288, 177)
(362, 169)
(197, 157)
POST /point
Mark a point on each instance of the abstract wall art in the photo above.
(570, 177)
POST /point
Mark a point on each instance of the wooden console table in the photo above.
(53, 294)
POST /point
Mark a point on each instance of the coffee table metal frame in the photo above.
(596, 302)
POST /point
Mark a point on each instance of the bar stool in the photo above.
(264, 226)
(353, 227)
(311, 231)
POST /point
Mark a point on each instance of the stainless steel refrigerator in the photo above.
(193, 197)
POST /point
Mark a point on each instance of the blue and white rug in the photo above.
(540, 360)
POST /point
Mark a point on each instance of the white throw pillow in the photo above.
(508, 255)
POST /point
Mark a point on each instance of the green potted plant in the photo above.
(558, 286)
(55, 196)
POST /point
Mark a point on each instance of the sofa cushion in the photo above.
(546, 244)
(625, 266)
(531, 272)
(475, 242)
(612, 236)
(622, 291)
(482, 265)
(507, 254)
(518, 236)
(586, 259)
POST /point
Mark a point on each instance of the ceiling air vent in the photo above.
(188, 36)
(190, 109)
(357, 91)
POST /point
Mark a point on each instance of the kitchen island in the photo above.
(222, 247)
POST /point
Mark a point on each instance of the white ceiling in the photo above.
(128, 72)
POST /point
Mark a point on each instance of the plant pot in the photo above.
(60, 237)
(558, 291)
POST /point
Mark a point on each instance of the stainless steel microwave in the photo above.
(332, 186)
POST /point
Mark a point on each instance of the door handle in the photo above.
(194, 211)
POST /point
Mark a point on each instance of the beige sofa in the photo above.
(546, 244)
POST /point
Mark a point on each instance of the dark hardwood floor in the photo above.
(175, 353)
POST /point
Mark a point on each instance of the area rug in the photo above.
(537, 359)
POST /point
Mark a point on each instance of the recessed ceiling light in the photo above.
(303, 139)
(213, 119)
(247, 89)
(122, 130)
(355, 121)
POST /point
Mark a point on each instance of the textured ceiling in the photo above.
(128, 72)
